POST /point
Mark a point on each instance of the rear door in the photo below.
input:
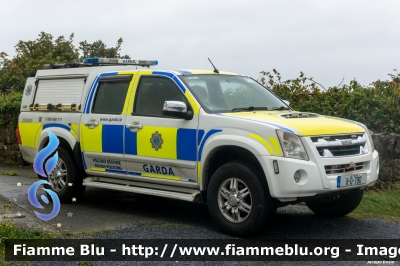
(102, 124)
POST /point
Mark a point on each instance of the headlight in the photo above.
(291, 145)
(369, 133)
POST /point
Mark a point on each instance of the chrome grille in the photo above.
(340, 150)
(343, 168)
(341, 145)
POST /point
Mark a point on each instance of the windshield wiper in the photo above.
(250, 108)
(281, 108)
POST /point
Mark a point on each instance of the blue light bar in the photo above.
(91, 60)
(117, 61)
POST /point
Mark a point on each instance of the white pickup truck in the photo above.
(193, 135)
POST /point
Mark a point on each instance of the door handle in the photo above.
(135, 127)
(92, 123)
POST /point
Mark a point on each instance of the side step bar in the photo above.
(171, 192)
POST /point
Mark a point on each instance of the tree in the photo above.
(32, 55)
(99, 49)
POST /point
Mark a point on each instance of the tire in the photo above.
(253, 210)
(65, 173)
(336, 206)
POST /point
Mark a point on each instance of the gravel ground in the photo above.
(293, 222)
(130, 216)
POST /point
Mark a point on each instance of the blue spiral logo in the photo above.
(44, 163)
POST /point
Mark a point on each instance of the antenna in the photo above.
(215, 69)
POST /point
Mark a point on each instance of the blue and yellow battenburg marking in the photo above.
(30, 131)
(180, 143)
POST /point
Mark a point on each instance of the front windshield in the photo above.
(228, 93)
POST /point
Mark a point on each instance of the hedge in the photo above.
(9, 108)
(375, 105)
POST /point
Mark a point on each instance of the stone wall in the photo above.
(8, 145)
(387, 145)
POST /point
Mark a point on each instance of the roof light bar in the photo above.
(116, 61)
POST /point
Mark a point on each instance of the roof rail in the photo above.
(64, 65)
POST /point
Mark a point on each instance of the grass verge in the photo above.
(380, 204)
(11, 173)
(9, 231)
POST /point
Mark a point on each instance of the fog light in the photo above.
(297, 176)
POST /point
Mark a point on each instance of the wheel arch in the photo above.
(222, 150)
(67, 141)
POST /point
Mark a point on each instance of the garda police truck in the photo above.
(193, 135)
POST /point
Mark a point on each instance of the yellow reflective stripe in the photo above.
(97, 169)
(127, 99)
(168, 146)
(127, 106)
(198, 172)
(162, 176)
(30, 132)
(92, 138)
(135, 84)
(275, 144)
(81, 137)
(127, 72)
(263, 142)
(74, 130)
(192, 102)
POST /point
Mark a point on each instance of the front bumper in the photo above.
(313, 180)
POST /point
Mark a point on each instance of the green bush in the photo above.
(9, 108)
(376, 105)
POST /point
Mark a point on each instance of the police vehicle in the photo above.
(193, 135)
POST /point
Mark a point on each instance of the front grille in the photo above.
(340, 150)
(343, 168)
(341, 145)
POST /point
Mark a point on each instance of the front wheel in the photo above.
(66, 180)
(239, 199)
(336, 206)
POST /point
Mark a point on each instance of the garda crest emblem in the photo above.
(156, 141)
(28, 90)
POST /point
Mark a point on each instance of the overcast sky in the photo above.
(328, 40)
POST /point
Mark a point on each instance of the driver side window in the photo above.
(151, 94)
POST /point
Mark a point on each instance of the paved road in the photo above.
(131, 216)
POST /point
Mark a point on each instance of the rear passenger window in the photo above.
(111, 94)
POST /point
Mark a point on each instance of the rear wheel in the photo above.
(66, 179)
(337, 206)
(239, 200)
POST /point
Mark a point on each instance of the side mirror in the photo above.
(177, 109)
(287, 102)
